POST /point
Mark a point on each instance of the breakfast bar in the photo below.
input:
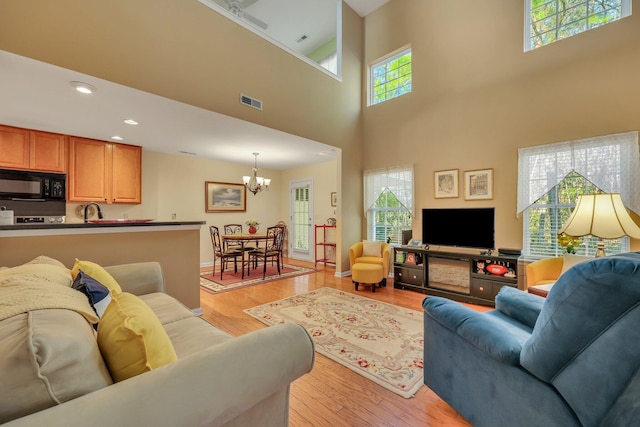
(175, 245)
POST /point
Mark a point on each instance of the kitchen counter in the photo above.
(175, 245)
(95, 228)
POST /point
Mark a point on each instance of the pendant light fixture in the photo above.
(255, 183)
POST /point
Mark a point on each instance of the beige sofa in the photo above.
(218, 380)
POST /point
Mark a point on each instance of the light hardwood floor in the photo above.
(332, 395)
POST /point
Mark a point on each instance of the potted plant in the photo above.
(253, 225)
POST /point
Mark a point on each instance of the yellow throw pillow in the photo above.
(132, 339)
(372, 248)
(97, 272)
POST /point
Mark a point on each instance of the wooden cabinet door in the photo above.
(126, 174)
(14, 148)
(89, 170)
(48, 152)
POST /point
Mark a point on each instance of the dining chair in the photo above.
(236, 229)
(272, 250)
(219, 252)
(283, 237)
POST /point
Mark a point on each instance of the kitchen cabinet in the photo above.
(32, 150)
(104, 172)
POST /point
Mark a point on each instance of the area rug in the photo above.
(230, 280)
(380, 341)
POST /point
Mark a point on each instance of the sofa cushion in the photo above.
(40, 286)
(30, 273)
(166, 308)
(371, 248)
(97, 272)
(132, 339)
(48, 357)
(194, 334)
(43, 259)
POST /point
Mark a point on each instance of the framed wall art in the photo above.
(478, 184)
(446, 184)
(334, 199)
(225, 197)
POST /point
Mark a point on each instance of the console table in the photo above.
(465, 277)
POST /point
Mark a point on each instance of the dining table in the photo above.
(243, 239)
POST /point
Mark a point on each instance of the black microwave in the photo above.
(29, 185)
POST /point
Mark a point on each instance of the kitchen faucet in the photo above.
(86, 208)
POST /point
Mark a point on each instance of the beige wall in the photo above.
(477, 96)
(324, 179)
(184, 51)
(175, 184)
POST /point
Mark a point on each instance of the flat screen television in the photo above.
(461, 227)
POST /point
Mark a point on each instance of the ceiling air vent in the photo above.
(251, 102)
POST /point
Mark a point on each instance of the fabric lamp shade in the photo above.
(600, 215)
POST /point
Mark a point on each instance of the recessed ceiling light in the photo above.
(82, 87)
(117, 138)
(131, 122)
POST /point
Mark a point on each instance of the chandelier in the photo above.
(255, 183)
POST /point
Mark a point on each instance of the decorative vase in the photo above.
(253, 229)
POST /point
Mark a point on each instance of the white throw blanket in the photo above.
(39, 287)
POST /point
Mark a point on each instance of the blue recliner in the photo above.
(572, 359)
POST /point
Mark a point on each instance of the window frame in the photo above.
(609, 162)
(399, 181)
(587, 245)
(383, 61)
(625, 11)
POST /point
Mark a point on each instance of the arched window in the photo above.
(552, 176)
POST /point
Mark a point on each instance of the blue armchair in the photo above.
(572, 359)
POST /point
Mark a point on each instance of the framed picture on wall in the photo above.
(446, 184)
(478, 184)
(225, 197)
(334, 199)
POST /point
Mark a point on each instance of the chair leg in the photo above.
(278, 263)
(264, 269)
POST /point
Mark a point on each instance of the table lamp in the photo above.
(601, 215)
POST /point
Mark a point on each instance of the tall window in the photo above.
(390, 77)
(551, 177)
(547, 21)
(388, 203)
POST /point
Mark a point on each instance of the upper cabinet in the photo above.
(47, 151)
(104, 172)
(32, 150)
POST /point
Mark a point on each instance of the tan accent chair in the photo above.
(544, 271)
(542, 274)
(355, 256)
